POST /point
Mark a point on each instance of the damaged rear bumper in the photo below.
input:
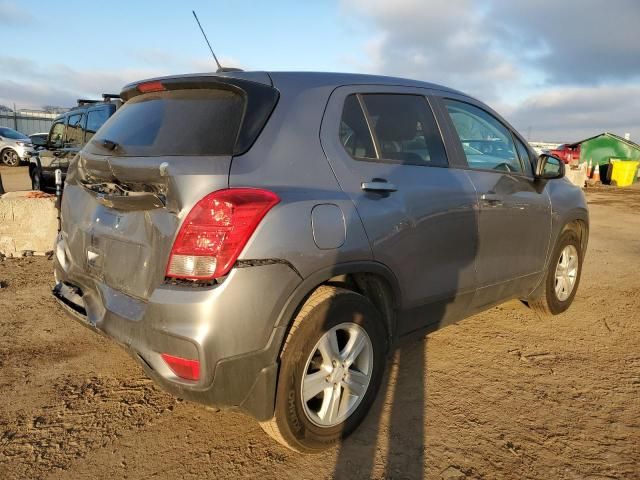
(228, 327)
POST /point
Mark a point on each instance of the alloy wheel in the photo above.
(337, 375)
(10, 158)
(566, 272)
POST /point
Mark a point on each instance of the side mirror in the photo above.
(549, 167)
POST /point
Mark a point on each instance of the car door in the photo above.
(386, 151)
(514, 221)
(49, 158)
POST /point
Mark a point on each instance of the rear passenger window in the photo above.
(354, 132)
(404, 130)
(487, 143)
(95, 119)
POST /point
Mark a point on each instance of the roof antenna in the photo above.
(220, 67)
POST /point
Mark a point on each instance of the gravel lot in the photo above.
(500, 395)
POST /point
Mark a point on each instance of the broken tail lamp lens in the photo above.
(215, 232)
(183, 367)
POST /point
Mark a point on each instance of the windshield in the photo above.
(12, 134)
(177, 122)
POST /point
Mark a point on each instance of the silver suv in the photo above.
(263, 240)
(14, 147)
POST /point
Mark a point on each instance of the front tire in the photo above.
(562, 277)
(10, 158)
(331, 369)
(36, 180)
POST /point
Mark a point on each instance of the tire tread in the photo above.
(321, 294)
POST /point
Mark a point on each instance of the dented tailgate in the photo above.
(119, 221)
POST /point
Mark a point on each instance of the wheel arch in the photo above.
(372, 279)
(9, 147)
(581, 227)
(576, 220)
(34, 164)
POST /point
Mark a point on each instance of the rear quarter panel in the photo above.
(288, 159)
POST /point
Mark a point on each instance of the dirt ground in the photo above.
(500, 395)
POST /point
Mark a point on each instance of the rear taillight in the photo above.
(215, 232)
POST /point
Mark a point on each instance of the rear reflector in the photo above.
(215, 232)
(183, 367)
(151, 87)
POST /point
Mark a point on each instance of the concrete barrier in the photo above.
(28, 223)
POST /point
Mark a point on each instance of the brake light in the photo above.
(215, 232)
(182, 367)
(151, 87)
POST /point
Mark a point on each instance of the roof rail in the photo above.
(84, 101)
(110, 96)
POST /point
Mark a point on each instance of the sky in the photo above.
(557, 70)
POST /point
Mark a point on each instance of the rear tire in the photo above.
(561, 281)
(346, 386)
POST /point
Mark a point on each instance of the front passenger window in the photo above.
(487, 143)
(75, 131)
(56, 135)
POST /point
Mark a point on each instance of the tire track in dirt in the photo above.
(85, 415)
(505, 394)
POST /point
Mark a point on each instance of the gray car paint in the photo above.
(116, 250)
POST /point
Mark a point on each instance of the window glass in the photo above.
(405, 129)
(525, 159)
(354, 132)
(95, 119)
(486, 142)
(12, 134)
(74, 131)
(57, 133)
(174, 122)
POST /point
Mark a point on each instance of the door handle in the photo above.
(492, 199)
(378, 186)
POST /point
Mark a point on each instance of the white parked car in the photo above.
(14, 147)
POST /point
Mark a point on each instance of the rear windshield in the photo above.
(177, 122)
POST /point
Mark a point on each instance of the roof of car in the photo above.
(312, 79)
(336, 78)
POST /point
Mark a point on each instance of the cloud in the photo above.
(30, 85)
(567, 114)
(560, 69)
(12, 15)
(580, 41)
(443, 42)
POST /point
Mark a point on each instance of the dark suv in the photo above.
(263, 240)
(68, 134)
